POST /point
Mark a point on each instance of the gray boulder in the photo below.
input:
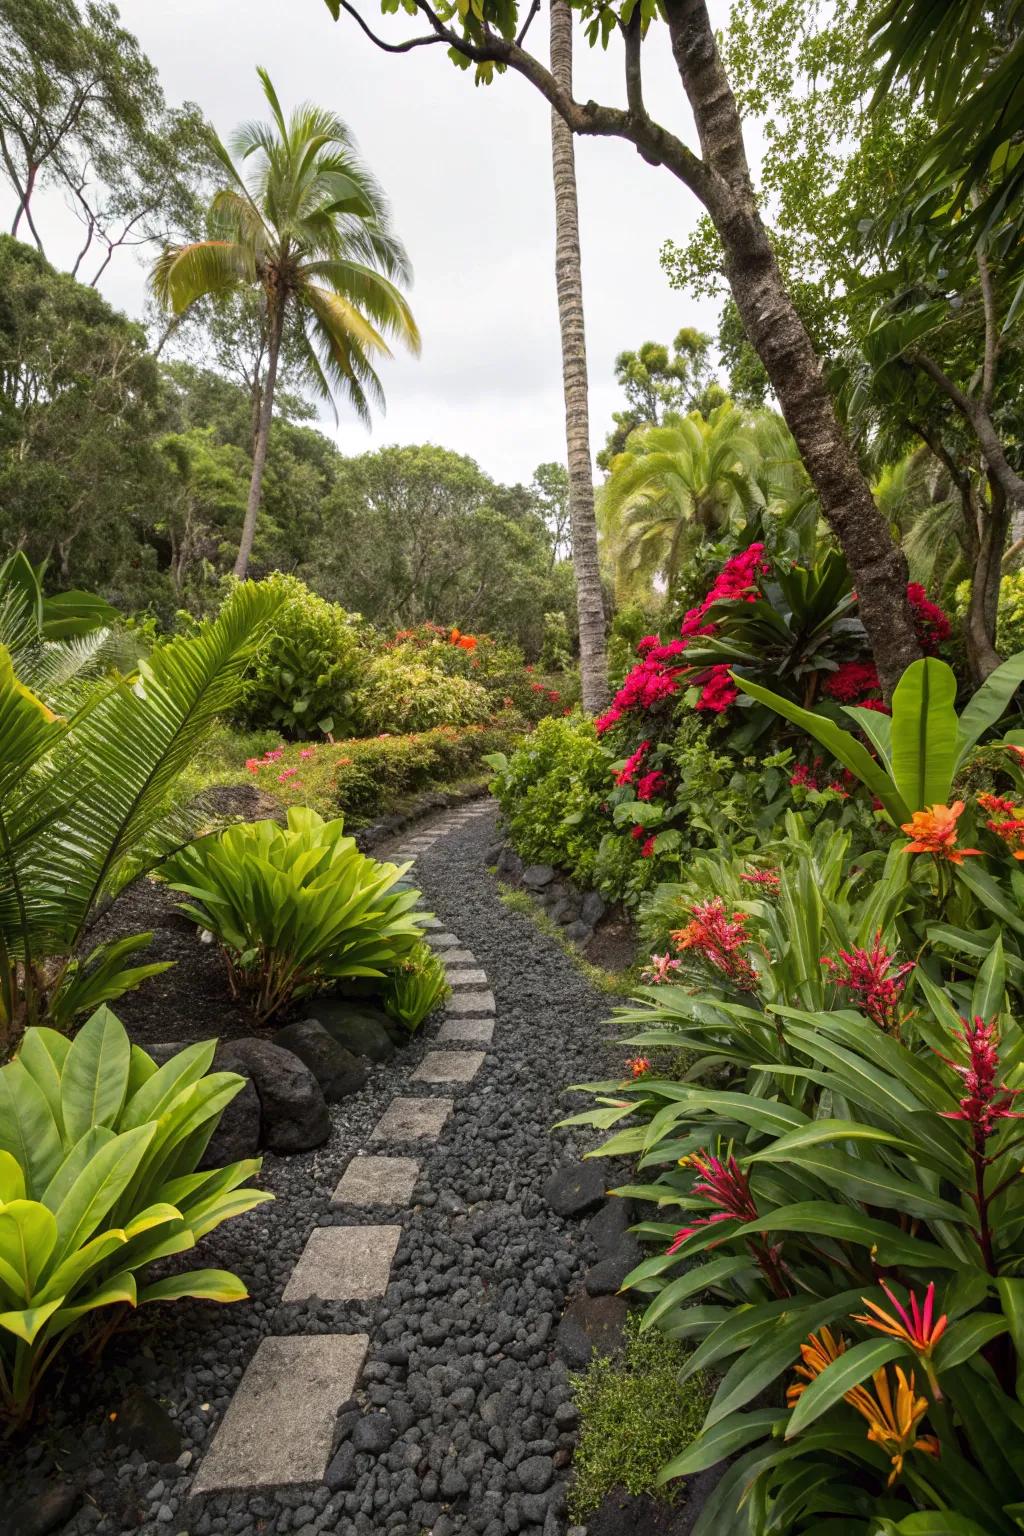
(293, 1110)
(361, 1029)
(537, 876)
(338, 1072)
(575, 1188)
(592, 908)
(510, 865)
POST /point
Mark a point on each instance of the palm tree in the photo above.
(679, 483)
(308, 227)
(569, 280)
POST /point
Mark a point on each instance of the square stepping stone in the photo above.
(344, 1264)
(431, 922)
(471, 1002)
(448, 1067)
(407, 1119)
(479, 1031)
(279, 1427)
(377, 1181)
(473, 976)
(459, 956)
(442, 940)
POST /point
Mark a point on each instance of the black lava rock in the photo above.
(374, 1433)
(341, 1473)
(580, 932)
(358, 1027)
(338, 1072)
(144, 1426)
(575, 1188)
(591, 1324)
(510, 865)
(606, 1276)
(592, 908)
(537, 876)
(293, 1111)
(43, 1512)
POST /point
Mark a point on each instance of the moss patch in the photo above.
(634, 1418)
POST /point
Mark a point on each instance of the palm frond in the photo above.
(183, 274)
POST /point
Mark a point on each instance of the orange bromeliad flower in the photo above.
(892, 1420)
(919, 1327)
(934, 831)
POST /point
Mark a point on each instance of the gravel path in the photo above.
(477, 1422)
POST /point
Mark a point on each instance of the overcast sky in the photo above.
(468, 173)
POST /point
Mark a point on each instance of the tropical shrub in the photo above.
(295, 908)
(98, 1155)
(1009, 616)
(87, 804)
(555, 653)
(364, 777)
(416, 987)
(308, 669)
(400, 695)
(495, 665)
(551, 793)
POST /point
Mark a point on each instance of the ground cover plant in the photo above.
(98, 1154)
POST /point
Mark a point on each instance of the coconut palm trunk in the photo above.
(569, 279)
(259, 455)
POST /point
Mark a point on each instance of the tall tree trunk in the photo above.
(259, 457)
(986, 574)
(781, 341)
(569, 279)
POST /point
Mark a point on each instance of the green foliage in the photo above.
(555, 655)
(308, 668)
(551, 792)
(401, 695)
(98, 1156)
(88, 803)
(1010, 616)
(367, 776)
(919, 751)
(634, 1416)
(416, 987)
(295, 909)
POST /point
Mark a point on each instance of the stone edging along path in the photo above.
(279, 1428)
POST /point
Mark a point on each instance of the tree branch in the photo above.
(406, 47)
(534, 8)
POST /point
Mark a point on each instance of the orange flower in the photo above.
(892, 1421)
(468, 642)
(934, 831)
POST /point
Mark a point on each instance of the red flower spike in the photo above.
(985, 1099)
(875, 987)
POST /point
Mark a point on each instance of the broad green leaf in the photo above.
(843, 745)
(989, 703)
(43, 1053)
(1011, 1298)
(95, 1074)
(701, 1277)
(12, 1179)
(990, 988)
(119, 1290)
(849, 1370)
(98, 1187)
(820, 1218)
(203, 1284)
(26, 1324)
(966, 1337)
(28, 1130)
(925, 733)
(28, 1233)
(723, 1439)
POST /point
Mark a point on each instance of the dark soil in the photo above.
(192, 1001)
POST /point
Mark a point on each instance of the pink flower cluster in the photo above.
(287, 775)
(656, 676)
(660, 970)
(874, 981)
(931, 624)
(631, 767)
(850, 682)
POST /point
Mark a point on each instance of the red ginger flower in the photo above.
(726, 1185)
(934, 831)
(769, 878)
(869, 977)
(719, 940)
(985, 1099)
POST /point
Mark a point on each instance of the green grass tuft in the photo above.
(634, 1418)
